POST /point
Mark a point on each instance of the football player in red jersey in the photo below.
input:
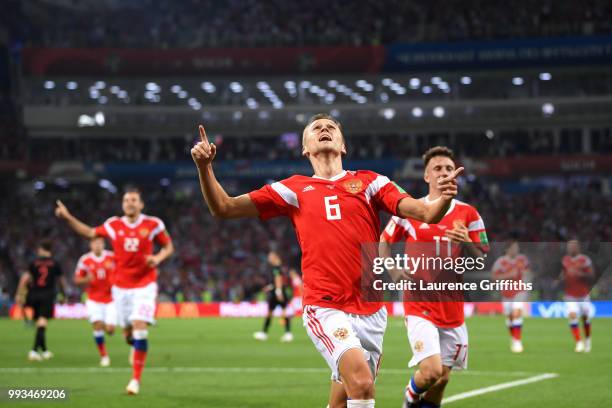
(134, 285)
(578, 276)
(513, 266)
(333, 213)
(436, 328)
(94, 271)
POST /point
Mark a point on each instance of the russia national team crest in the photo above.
(143, 232)
(341, 334)
(419, 346)
(353, 186)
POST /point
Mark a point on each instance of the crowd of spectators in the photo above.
(360, 147)
(226, 260)
(252, 23)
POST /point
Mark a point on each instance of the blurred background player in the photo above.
(277, 295)
(436, 328)
(333, 213)
(135, 281)
(295, 306)
(94, 272)
(578, 276)
(513, 266)
(40, 281)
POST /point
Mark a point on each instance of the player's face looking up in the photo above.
(573, 247)
(437, 168)
(97, 245)
(132, 204)
(323, 136)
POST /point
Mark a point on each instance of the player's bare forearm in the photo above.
(219, 202)
(165, 252)
(430, 213)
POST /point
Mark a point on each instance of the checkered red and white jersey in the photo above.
(332, 218)
(516, 267)
(101, 269)
(132, 242)
(578, 272)
(443, 313)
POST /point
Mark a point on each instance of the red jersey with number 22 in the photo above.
(446, 314)
(101, 269)
(132, 243)
(332, 218)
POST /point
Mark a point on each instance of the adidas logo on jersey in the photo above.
(308, 188)
(423, 226)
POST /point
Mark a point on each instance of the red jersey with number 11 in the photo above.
(332, 219)
(101, 269)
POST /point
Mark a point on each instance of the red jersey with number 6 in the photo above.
(132, 243)
(443, 313)
(332, 219)
(101, 269)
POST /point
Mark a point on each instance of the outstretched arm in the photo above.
(433, 211)
(219, 202)
(79, 227)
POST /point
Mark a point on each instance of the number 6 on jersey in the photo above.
(332, 210)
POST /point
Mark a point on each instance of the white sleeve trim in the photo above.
(477, 225)
(109, 229)
(406, 225)
(286, 194)
(375, 186)
(160, 227)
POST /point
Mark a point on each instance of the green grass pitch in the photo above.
(216, 363)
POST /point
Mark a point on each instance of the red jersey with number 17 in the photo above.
(101, 269)
(132, 243)
(332, 219)
(442, 313)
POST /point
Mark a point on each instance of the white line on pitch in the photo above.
(286, 370)
(499, 387)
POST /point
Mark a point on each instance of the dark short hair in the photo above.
(45, 244)
(132, 189)
(327, 116)
(437, 151)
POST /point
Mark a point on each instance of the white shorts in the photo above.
(333, 332)
(427, 339)
(515, 303)
(582, 306)
(135, 304)
(101, 312)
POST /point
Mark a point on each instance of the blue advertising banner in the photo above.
(499, 54)
(559, 309)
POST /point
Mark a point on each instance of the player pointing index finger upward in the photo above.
(333, 213)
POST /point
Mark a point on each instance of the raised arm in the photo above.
(219, 202)
(431, 212)
(79, 227)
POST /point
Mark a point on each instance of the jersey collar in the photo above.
(98, 258)
(135, 224)
(335, 178)
(450, 209)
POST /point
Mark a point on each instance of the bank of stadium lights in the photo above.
(332, 83)
(545, 76)
(387, 81)
(329, 98)
(237, 115)
(39, 185)
(384, 97)
(263, 115)
(417, 112)
(436, 80)
(444, 87)
(71, 85)
(49, 85)
(305, 84)
(388, 113)
(100, 84)
(103, 100)
(365, 85)
(489, 134)
(466, 80)
(208, 87)
(153, 87)
(439, 112)
(236, 87)
(335, 113)
(548, 109)
(182, 94)
(414, 83)
(426, 89)
(252, 103)
(291, 88)
(107, 185)
(115, 89)
(518, 81)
